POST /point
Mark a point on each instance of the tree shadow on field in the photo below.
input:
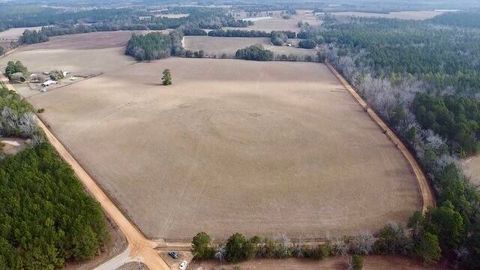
(154, 84)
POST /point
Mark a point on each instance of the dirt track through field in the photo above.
(428, 199)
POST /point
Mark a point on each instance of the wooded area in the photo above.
(423, 80)
(254, 52)
(154, 46)
(47, 218)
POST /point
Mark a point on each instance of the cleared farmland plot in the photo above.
(277, 23)
(15, 33)
(84, 54)
(232, 146)
(229, 45)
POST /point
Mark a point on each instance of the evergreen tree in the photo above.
(167, 77)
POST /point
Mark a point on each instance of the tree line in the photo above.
(47, 219)
(59, 22)
(414, 74)
(444, 60)
(458, 19)
(392, 239)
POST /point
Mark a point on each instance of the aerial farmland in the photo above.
(280, 145)
(239, 135)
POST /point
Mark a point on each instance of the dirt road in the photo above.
(141, 249)
(428, 199)
(137, 243)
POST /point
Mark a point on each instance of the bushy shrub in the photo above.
(201, 246)
(361, 244)
(56, 75)
(238, 248)
(15, 67)
(356, 262)
(318, 252)
(428, 248)
(392, 239)
(307, 44)
(278, 38)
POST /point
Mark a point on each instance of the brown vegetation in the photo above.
(217, 46)
(262, 148)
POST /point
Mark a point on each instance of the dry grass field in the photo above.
(12, 35)
(277, 23)
(254, 147)
(403, 15)
(229, 45)
(15, 33)
(471, 168)
(84, 54)
(264, 148)
(87, 41)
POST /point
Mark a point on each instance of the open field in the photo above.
(260, 148)
(96, 40)
(403, 15)
(15, 33)
(84, 54)
(337, 263)
(229, 45)
(84, 62)
(173, 15)
(277, 23)
(471, 168)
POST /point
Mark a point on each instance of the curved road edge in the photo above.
(426, 191)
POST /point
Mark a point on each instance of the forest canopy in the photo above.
(423, 79)
(47, 218)
(254, 52)
(154, 46)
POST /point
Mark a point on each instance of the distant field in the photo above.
(403, 15)
(85, 54)
(277, 23)
(15, 33)
(229, 45)
(173, 15)
(81, 62)
(264, 148)
(96, 40)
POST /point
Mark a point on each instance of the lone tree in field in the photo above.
(167, 77)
